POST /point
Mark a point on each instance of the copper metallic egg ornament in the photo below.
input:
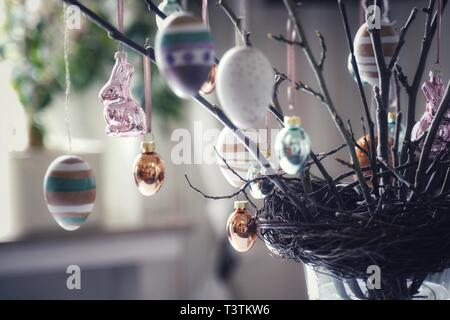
(210, 85)
(149, 170)
(364, 143)
(240, 231)
(364, 53)
(245, 86)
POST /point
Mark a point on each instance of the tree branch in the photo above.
(214, 110)
(237, 21)
(401, 39)
(290, 6)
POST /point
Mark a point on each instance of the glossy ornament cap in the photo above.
(147, 146)
(240, 204)
(241, 231)
(435, 72)
(292, 121)
(148, 170)
(392, 117)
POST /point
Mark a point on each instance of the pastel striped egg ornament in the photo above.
(184, 53)
(236, 155)
(364, 54)
(69, 191)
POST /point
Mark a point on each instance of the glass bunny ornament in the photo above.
(433, 90)
(123, 115)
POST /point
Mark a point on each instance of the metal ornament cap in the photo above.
(147, 146)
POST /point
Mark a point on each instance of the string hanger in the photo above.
(148, 90)
(439, 32)
(205, 16)
(67, 80)
(290, 59)
(120, 19)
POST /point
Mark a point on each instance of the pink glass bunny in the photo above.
(123, 115)
(433, 90)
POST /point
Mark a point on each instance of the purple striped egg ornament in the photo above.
(184, 53)
(69, 191)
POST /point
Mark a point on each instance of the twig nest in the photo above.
(405, 239)
(184, 53)
(244, 85)
(364, 53)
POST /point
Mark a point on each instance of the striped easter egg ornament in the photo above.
(184, 53)
(69, 191)
(364, 54)
(236, 155)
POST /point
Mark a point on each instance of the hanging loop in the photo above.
(148, 88)
(290, 49)
(120, 19)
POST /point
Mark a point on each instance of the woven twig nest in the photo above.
(404, 239)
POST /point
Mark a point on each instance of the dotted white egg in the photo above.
(244, 85)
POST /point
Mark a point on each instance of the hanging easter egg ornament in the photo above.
(167, 7)
(235, 154)
(364, 54)
(149, 170)
(259, 189)
(292, 146)
(184, 53)
(210, 84)
(245, 85)
(240, 231)
(364, 142)
(69, 191)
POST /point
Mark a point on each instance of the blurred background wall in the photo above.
(172, 244)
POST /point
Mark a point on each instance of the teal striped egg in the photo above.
(69, 191)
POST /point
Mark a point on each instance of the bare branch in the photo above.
(401, 39)
(283, 39)
(323, 45)
(237, 21)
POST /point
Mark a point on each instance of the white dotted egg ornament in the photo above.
(364, 53)
(244, 85)
(184, 53)
(236, 155)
